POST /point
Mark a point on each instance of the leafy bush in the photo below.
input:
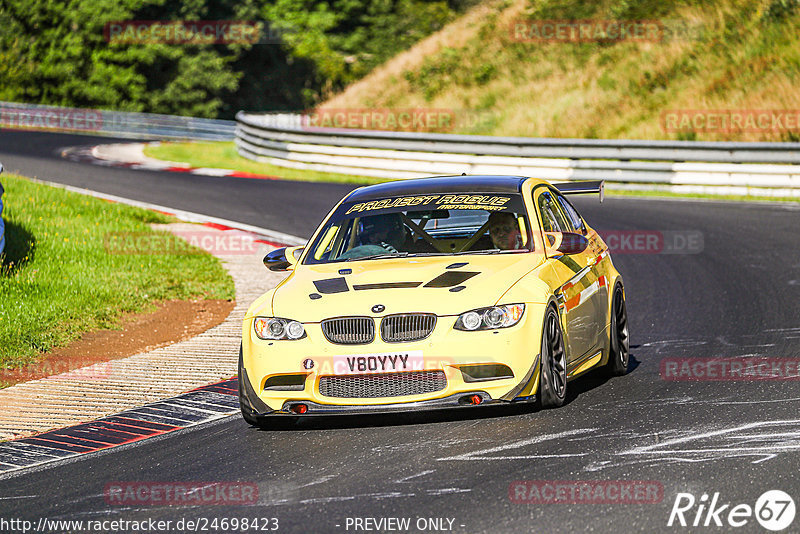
(55, 52)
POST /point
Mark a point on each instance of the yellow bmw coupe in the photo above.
(430, 293)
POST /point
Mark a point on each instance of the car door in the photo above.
(596, 249)
(578, 282)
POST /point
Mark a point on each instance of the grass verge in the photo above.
(611, 192)
(497, 69)
(57, 278)
(223, 155)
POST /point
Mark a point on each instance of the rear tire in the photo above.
(553, 363)
(619, 343)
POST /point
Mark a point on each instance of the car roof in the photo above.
(439, 184)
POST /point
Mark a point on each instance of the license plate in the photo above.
(387, 362)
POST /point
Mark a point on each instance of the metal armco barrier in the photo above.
(117, 123)
(739, 168)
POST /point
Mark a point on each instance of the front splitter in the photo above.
(458, 400)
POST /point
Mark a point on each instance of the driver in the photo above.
(385, 230)
(504, 231)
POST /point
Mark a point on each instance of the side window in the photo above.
(572, 214)
(553, 220)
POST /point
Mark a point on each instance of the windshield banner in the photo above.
(445, 202)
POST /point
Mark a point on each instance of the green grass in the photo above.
(57, 279)
(223, 155)
(713, 55)
(611, 192)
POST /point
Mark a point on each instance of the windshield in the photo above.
(433, 224)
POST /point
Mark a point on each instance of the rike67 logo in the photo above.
(774, 510)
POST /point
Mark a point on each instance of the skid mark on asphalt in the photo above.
(447, 491)
(321, 480)
(483, 454)
(375, 496)
(423, 485)
(769, 439)
(196, 407)
(765, 339)
(404, 447)
(760, 441)
(769, 401)
(406, 479)
(686, 400)
(342, 498)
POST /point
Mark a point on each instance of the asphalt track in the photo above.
(739, 297)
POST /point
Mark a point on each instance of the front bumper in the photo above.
(447, 403)
(446, 350)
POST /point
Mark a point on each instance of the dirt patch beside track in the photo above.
(171, 322)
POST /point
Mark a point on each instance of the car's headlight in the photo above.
(277, 328)
(490, 318)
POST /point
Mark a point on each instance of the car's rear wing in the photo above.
(580, 188)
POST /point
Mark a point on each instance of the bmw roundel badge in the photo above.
(378, 308)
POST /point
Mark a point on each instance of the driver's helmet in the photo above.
(384, 228)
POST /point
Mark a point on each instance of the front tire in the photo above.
(553, 363)
(619, 344)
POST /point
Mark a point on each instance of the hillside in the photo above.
(737, 55)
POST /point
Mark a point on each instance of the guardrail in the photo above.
(116, 123)
(739, 168)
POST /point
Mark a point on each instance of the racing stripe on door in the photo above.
(196, 407)
(570, 263)
(603, 255)
(587, 292)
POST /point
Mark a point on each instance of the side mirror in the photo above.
(565, 243)
(283, 259)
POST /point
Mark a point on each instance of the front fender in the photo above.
(261, 306)
(531, 288)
